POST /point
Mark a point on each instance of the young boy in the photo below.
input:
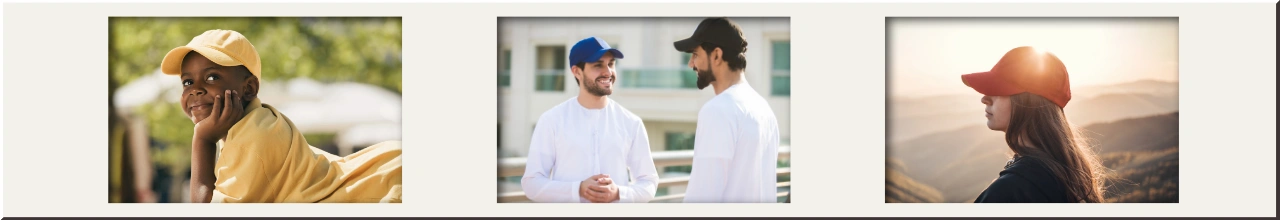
(244, 150)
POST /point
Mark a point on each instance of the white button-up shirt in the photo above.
(571, 143)
(735, 150)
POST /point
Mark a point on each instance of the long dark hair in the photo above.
(1039, 129)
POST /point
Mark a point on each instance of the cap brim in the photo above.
(687, 45)
(988, 83)
(172, 63)
(596, 56)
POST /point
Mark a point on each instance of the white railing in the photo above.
(515, 167)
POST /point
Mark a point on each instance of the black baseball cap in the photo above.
(721, 32)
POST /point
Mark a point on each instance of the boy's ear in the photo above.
(250, 88)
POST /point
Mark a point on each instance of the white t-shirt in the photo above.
(735, 150)
(571, 143)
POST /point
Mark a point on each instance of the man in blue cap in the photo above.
(589, 148)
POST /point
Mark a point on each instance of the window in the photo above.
(504, 68)
(781, 71)
(550, 68)
(679, 141)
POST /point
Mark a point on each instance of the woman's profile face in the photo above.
(998, 111)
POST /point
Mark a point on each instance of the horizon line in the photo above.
(1072, 86)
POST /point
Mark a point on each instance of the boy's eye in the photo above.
(186, 82)
(211, 77)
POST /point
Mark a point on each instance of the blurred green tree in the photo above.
(354, 49)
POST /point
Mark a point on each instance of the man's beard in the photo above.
(704, 76)
(594, 88)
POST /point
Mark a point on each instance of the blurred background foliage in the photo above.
(346, 49)
(365, 50)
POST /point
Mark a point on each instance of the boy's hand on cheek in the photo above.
(228, 108)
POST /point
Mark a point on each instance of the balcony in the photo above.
(649, 78)
(514, 167)
(661, 78)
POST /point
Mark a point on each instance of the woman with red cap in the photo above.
(1025, 94)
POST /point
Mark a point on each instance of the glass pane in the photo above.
(561, 57)
(782, 55)
(504, 69)
(549, 74)
(504, 78)
(780, 84)
(550, 80)
(671, 78)
(506, 60)
(679, 141)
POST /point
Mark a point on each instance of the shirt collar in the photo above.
(741, 85)
(607, 101)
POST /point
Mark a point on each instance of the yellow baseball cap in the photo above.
(224, 47)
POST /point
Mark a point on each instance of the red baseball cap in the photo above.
(1024, 69)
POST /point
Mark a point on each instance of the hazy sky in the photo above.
(928, 55)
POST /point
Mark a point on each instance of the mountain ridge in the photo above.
(959, 163)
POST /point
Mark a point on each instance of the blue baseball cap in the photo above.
(590, 50)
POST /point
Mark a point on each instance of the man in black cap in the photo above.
(736, 150)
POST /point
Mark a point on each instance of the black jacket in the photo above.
(1025, 180)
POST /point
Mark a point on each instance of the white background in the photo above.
(55, 124)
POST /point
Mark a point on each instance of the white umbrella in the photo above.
(146, 89)
(333, 108)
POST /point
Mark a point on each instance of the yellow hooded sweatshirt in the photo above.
(265, 159)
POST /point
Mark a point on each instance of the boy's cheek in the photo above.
(192, 117)
(196, 116)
